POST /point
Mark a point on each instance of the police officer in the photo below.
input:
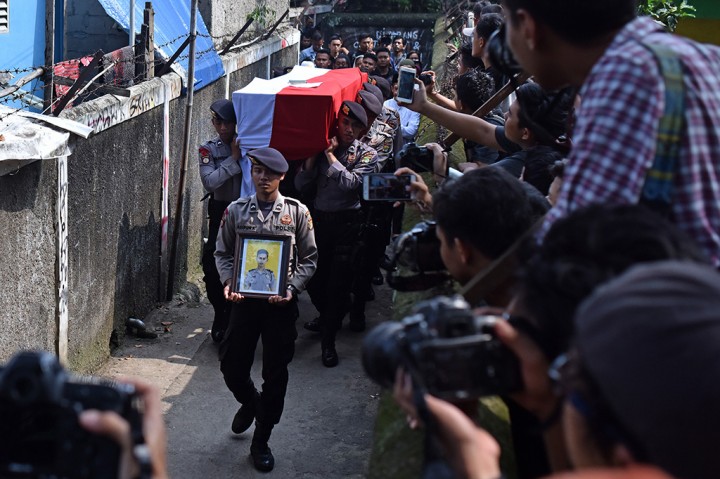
(336, 175)
(273, 319)
(260, 278)
(225, 174)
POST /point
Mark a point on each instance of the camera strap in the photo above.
(657, 191)
(499, 270)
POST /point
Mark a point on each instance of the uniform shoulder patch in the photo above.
(367, 156)
(309, 219)
(204, 155)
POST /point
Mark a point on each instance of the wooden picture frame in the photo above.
(261, 264)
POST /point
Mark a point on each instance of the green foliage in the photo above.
(262, 15)
(666, 12)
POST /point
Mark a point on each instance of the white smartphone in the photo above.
(387, 187)
(406, 84)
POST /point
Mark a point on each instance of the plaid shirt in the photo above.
(615, 135)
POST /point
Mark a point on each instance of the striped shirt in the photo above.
(615, 134)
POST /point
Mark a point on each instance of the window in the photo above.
(4, 16)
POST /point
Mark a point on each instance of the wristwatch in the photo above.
(293, 290)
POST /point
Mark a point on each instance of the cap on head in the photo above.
(468, 31)
(382, 84)
(270, 158)
(368, 86)
(354, 111)
(658, 325)
(370, 102)
(223, 110)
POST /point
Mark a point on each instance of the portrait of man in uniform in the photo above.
(261, 264)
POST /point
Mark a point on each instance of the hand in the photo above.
(235, 148)
(419, 99)
(537, 395)
(332, 146)
(439, 161)
(419, 191)
(279, 300)
(430, 88)
(403, 395)
(114, 426)
(230, 296)
(468, 166)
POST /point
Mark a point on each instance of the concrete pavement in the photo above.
(326, 428)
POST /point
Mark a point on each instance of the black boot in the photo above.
(260, 453)
(246, 415)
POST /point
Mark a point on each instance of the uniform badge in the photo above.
(222, 221)
(345, 109)
(366, 157)
(309, 220)
(204, 155)
(286, 220)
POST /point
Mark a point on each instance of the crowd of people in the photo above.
(597, 178)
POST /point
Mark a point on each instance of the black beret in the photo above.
(223, 110)
(354, 111)
(383, 85)
(270, 158)
(369, 102)
(374, 90)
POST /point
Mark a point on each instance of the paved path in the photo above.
(326, 428)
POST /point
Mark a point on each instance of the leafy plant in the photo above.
(262, 15)
(667, 12)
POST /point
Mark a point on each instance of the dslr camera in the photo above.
(416, 264)
(40, 436)
(500, 55)
(451, 352)
(415, 157)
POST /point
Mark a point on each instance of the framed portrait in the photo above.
(261, 264)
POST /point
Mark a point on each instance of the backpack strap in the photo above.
(657, 192)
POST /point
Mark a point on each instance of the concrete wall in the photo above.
(89, 28)
(114, 213)
(224, 18)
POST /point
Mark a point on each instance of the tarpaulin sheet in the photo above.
(294, 113)
(172, 26)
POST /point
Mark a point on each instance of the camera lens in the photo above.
(381, 353)
(500, 55)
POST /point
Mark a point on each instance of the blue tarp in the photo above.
(172, 26)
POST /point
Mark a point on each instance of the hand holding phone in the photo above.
(406, 84)
(387, 187)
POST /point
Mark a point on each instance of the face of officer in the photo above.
(266, 182)
(322, 60)
(224, 129)
(261, 260)
(349, 130)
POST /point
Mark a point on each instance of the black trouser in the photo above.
(213, 286)
(250, 320)
(337, 237)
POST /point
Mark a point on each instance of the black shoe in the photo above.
(262, 458)
(217, 334)
(329, 357)
(378, 279)
(245, 416)
(313, 325)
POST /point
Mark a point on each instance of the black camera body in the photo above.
(40, 436)
(426, 78)
(418, 158)
(451, 352)
(417, 252)
(500, 55)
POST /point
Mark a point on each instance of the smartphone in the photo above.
(387, 187)
(406, 84)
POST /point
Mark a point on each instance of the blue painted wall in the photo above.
(24, 45)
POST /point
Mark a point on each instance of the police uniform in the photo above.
(339, 219)
(260, 280)
(253, 318)
(221, 176)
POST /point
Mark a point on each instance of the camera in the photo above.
(448, 350)
(40, 436)
(418, 158)
(500, 55)
(418, 252)
(426, 78)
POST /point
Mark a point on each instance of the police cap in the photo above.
(369, 102)
(355, 111)
(367, 86)
(383, 85)
(223, 110)
(270, 158)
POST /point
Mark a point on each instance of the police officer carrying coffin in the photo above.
(336, 175)
(225, 174)
(273, 319)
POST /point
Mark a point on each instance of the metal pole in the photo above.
(132, 22)
(186, 148)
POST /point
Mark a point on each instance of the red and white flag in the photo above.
(294, 113)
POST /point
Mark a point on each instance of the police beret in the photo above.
(367, 86)
(383, 85)
(354, 111)
(270, 158)
(223, 110)
(369, 102)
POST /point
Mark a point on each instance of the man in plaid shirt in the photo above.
(596, 46)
